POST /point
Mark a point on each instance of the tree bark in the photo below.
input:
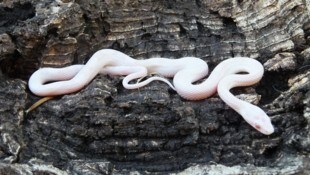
(106, 129)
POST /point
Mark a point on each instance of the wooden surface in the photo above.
(106, 129)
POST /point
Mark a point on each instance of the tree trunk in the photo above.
(107, 129)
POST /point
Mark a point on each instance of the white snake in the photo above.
(185, 71)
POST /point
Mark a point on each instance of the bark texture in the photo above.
(106, 129)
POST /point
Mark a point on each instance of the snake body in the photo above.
(185, 71)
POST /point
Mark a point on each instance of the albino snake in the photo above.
(185, 71)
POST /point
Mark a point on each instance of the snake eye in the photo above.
(257, 126)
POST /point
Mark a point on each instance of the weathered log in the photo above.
(106, 129)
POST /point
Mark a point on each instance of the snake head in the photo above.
(258, 119)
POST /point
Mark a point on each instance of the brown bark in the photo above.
(106, 129)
